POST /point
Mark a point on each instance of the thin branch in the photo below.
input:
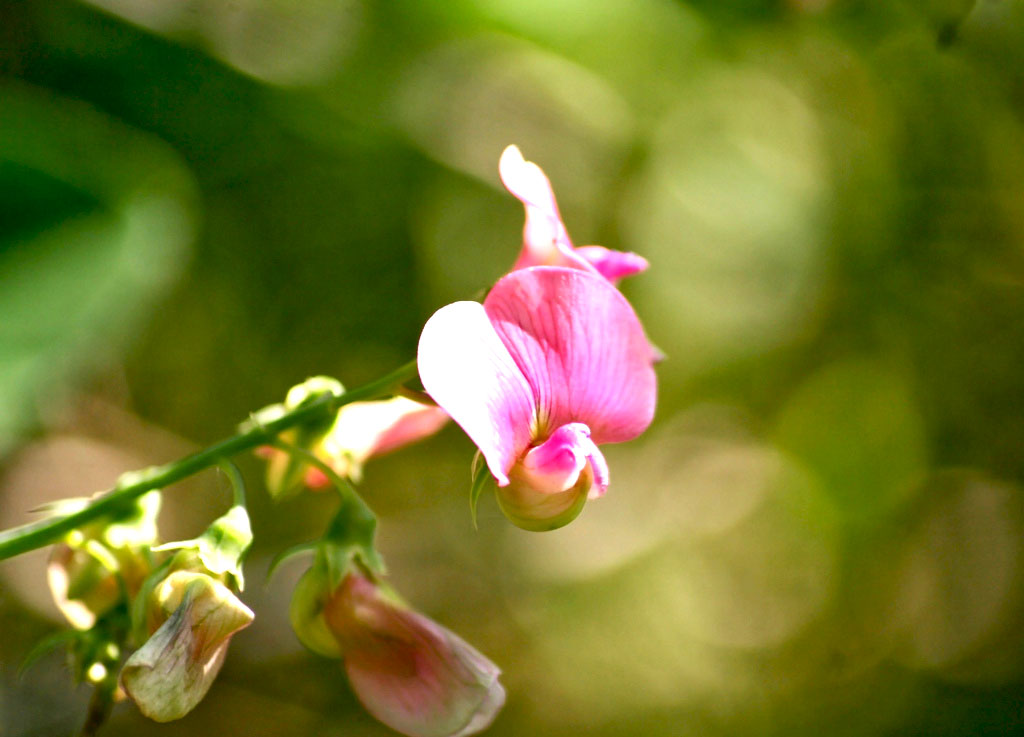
(100, 706)
(132, 485)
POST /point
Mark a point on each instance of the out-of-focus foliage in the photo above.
(206, 201)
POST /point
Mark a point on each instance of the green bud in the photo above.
(222, 547)
(335, 560)
(312, 389)
(306, 612)
(287, 475)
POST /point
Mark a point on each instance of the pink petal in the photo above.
(469, 372)
(315, 479)
(545, 239)
(414, 425)
(363, 430)
(613, 265)
(561, 255)
(543, 229)
(599, 467)
(581, 348)
(556, 464)
(434, 685)
(408, 671)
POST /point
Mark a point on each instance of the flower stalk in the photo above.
(131, 485)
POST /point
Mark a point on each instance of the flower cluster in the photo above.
(551, 365)
(108, 580)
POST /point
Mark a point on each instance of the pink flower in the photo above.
(545, 239)
(552, 364)
(408, 671)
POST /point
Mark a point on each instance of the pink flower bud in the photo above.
(286, 474)
(360, 431)
(408, 671)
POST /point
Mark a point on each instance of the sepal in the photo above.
(286, 474)
(482, 479)
(222, 547)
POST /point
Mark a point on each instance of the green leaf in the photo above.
(286, 555)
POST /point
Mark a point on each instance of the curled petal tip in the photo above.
(510, 157)
(613, 265)
(545, 240)
(555, 465)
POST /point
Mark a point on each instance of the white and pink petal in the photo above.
(468, 371)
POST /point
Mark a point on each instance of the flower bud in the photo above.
(312, 389)
(360, 431)
(83, 587)
(195, 616)
(549, 486)
(306, 612)
(409, 672)
(221, 548)
(102, 563)
(286, 475)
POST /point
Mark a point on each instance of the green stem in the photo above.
(237, 482)
(132, 485)
(346, 490)
(100, 705)
(416, 395)
(354, 522)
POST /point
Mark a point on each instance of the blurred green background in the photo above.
(203, 202)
